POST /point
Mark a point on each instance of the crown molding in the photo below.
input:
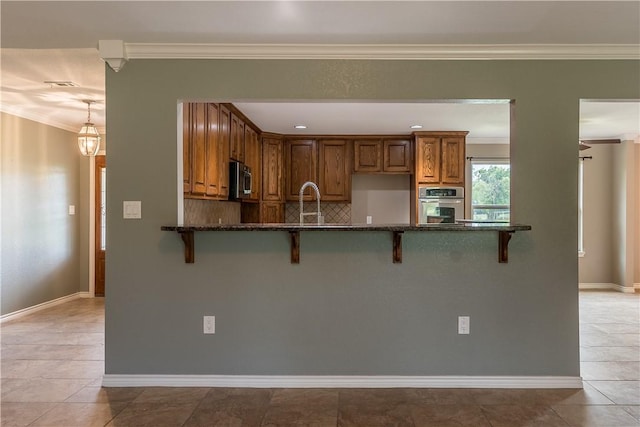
(22, 113)
(383, 51)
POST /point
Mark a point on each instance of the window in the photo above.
(490, 189)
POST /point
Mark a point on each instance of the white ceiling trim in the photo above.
(20, 112)
(382, 51)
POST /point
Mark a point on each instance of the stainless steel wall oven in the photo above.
(440, 204)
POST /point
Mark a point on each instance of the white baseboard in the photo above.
(42, 306)
(284, 381)
(608, 286)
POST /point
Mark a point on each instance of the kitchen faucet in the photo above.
(302, 212)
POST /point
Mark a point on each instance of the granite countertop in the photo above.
(460, 226)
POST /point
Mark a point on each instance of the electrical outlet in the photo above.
(464, 325)
(209, 324)
(369, 219)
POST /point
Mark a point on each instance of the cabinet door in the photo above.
(199, 149)
(272, 170)
(301, 167)
(452, 160)
(250, 213)
(186, 148)
(428, 160)
(271, 212)
(224, 141)
(397, 156)
(237, 138)
(334, 170)
(367, 155)
(212, 151)
(252, 159)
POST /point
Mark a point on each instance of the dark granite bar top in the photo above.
(465, 226)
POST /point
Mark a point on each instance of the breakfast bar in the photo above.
(504, 231)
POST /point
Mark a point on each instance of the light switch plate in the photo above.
(464, 323)
(132, 209)
(209, 324)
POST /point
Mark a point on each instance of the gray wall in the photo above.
(42, 245)
(346, 309)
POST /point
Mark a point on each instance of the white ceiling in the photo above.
(53, 40)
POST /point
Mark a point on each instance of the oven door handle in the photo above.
(447, 201)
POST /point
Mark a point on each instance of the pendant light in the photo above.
(88, 137)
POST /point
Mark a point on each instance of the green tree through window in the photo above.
(490, 191)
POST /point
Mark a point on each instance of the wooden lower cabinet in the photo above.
(250, 212)
(272, 212)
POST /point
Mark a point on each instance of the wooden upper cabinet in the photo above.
(252, 159)
(237, 138)
(272, 169)
(397, 156)
(212, 152)
(224, 141)
(384, 155)
(440, 157)
(453, 150)
(206, 160)
(334, 170)
(428, 159)
(367, 155)
(198, 148)
(300, 161)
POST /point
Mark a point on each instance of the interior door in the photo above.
(101, 223)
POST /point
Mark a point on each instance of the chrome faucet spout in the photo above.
(302, 212)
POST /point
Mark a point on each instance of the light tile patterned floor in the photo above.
(52, 364)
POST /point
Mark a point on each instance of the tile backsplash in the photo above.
(334, 213)
(209, 211)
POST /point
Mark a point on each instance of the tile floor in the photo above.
(52, 363)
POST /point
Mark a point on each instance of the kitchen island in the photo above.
(504, 231)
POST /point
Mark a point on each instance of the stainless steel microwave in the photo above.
(239, 180)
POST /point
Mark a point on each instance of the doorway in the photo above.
(100, 192)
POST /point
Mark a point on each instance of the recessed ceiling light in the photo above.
(416, 126)
(300, 127)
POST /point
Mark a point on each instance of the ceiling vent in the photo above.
(61, 83)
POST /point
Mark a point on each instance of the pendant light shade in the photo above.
(88, 137)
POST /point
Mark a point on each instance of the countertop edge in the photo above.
(339, 227)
